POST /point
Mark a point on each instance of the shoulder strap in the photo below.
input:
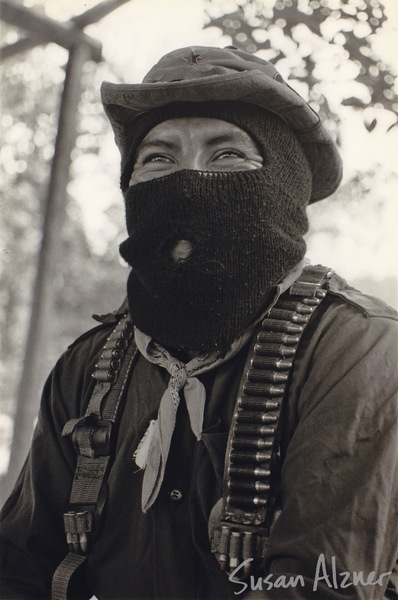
(92, 438)
(240, 523)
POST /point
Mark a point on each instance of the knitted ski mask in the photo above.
(245, 228)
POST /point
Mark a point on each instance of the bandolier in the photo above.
(93, 436)
(240, 524)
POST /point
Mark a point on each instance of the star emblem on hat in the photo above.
(193, 59)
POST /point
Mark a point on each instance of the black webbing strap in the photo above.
(69, 565)
(92, 438)
(240, 523)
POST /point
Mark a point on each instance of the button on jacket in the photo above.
(338, 484)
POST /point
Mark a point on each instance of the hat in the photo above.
(206, 74)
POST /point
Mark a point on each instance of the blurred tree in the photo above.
(54, 277)
(84, 282)
(28, 130)
(322, 40)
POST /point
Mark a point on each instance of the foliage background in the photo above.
(339, 54)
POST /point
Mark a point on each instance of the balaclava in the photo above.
(246, 231)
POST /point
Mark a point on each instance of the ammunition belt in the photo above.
(92, 437)
(252, 457)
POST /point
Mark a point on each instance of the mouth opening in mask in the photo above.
(178, 250)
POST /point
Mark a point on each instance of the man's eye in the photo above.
(225, 154)
(156, 158)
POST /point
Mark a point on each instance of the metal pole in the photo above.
(42, 29)
(50, 30)
(30, 384)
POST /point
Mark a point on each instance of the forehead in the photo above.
(204, 129)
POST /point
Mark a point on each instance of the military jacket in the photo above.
(336, 533)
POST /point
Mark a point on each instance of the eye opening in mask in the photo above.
(202, 173)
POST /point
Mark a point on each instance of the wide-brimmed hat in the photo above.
(205, 74)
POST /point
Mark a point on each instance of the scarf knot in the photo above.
(178, 374)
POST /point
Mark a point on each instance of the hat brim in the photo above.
(246, 86)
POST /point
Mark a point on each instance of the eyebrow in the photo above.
(222, 138)
(147, 144)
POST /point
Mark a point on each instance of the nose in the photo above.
(193, 160)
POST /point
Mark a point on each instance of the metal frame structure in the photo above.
(39, 30)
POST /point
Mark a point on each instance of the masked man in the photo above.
(231, 430)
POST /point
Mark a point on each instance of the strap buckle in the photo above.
(90, 434)
(78, 526)
(93, 438)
